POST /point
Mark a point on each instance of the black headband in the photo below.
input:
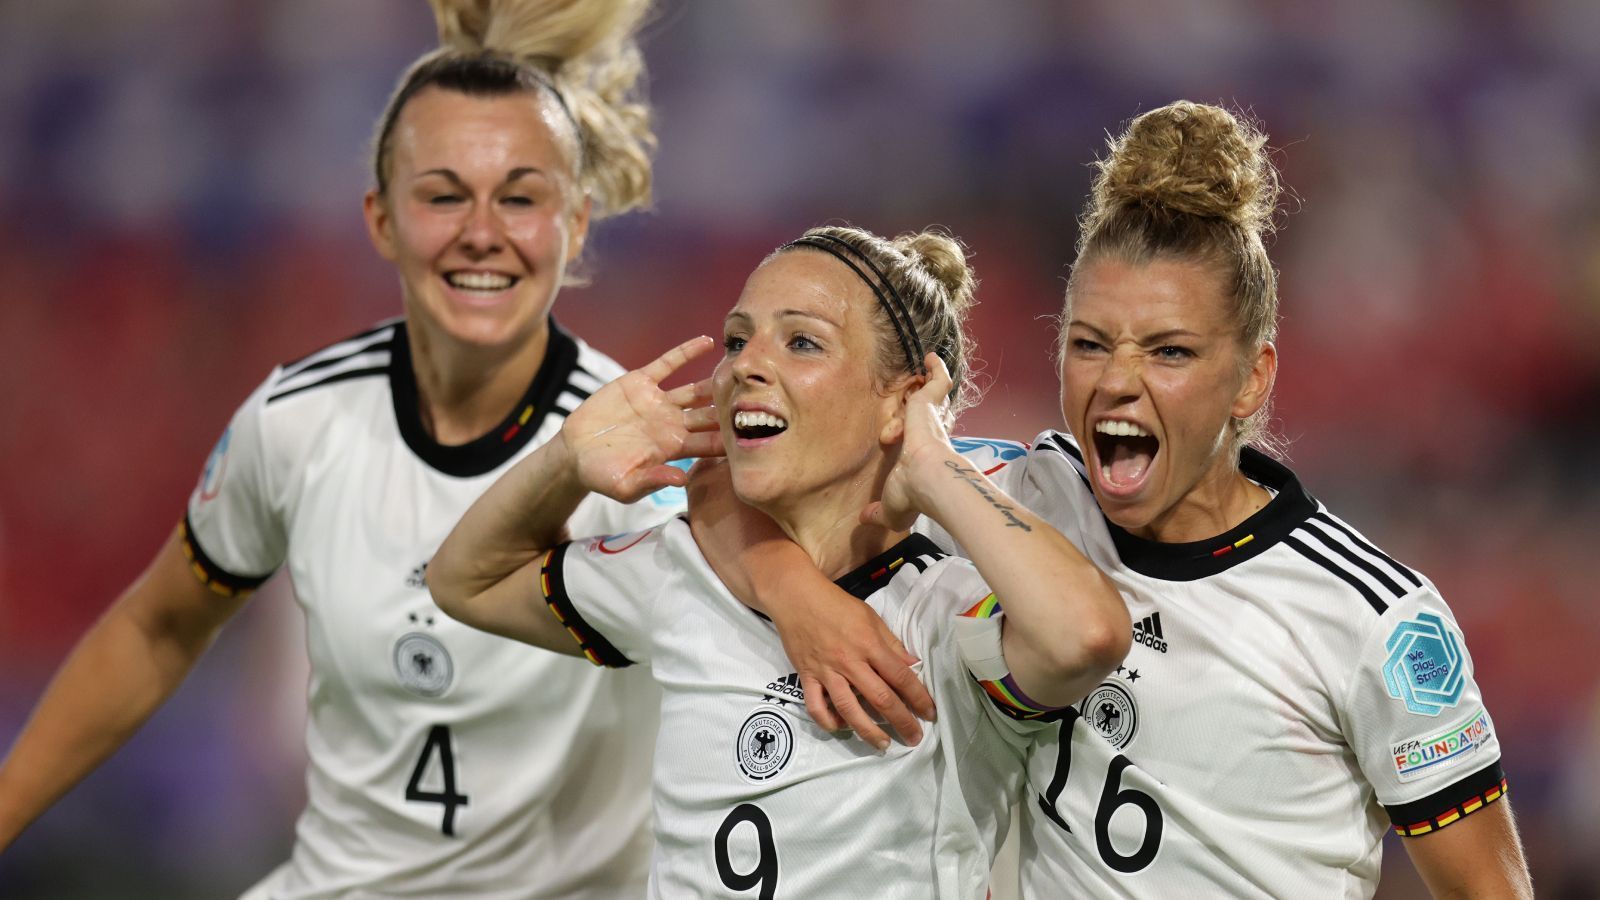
(882, 288)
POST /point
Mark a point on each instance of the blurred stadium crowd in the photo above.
(182, 181)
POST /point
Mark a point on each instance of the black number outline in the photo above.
(1112, 796)
(765, 874)
(438, 737)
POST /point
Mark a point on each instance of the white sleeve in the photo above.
(1416, 720)
(234, 532)
(958, 616)
(1002, 461)
(1054, 487)
(604, 591)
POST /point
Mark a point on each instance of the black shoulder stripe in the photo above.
(575, 391)
(1404, 572)
(1065, 446)
(553, 585)
(1372, 598)
(1365, 566)
(219, 580)
(294, 367)
(374, 347)
(340, 376)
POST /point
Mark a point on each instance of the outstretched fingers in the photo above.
(658, 369)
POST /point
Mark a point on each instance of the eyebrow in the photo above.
(744, 317)
(513, 175)
(1156, 338)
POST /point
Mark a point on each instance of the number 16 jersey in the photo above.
(1292, 693)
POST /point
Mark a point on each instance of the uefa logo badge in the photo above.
(766, 743)
(1110, 709)
(423, 665)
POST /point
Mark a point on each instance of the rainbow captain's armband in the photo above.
(978, 639)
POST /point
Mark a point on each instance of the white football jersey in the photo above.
(444, 761)
(752, 798)
(1291, 693)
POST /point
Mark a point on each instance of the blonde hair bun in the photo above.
(587, 49)
(943, 258)
(1194, 159)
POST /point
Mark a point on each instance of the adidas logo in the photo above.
(1148, 633)
(786, 686)
(418, 577)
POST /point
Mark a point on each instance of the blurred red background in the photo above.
(182, 183)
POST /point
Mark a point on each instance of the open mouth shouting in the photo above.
(753, 426)
(1124, 452)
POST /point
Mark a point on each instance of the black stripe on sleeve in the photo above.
(1360, 563)
(553, 585)
(1372, 598)
(342, 376)
(219, 580)
(1450, 805)
(1405, 572)
(380, 346)
(295, 366)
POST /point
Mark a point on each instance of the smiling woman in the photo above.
(443, 762)
(1289, 687)
(833, 421)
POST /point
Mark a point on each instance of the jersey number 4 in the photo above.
(1113, 796)
(438, 742)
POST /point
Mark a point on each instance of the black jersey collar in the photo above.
(502, 442)
(876, 572)
(1201, 559)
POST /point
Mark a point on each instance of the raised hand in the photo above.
(623, 436)
(923, 451)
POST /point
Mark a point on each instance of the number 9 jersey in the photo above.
(444, 761)
(1292, 693)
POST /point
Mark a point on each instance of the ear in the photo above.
(1258, 381)
(894, 403)
(380, 224)
(580, 228)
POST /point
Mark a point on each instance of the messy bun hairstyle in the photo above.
(581, 54)
(928, 271)
(1193, 181)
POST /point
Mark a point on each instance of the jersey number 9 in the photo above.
(765, 873)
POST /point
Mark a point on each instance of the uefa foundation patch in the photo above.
(1419, 757)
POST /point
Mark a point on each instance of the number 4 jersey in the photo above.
(1292, 692)
(752, 798)
(444, 761)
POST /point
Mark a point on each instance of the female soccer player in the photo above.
(443, 762)
(827, 405)
(1290, 686)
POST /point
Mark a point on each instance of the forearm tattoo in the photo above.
(970, 475)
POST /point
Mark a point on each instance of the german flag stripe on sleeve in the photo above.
(1450, 805)
(221, 582)
(552, 585)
